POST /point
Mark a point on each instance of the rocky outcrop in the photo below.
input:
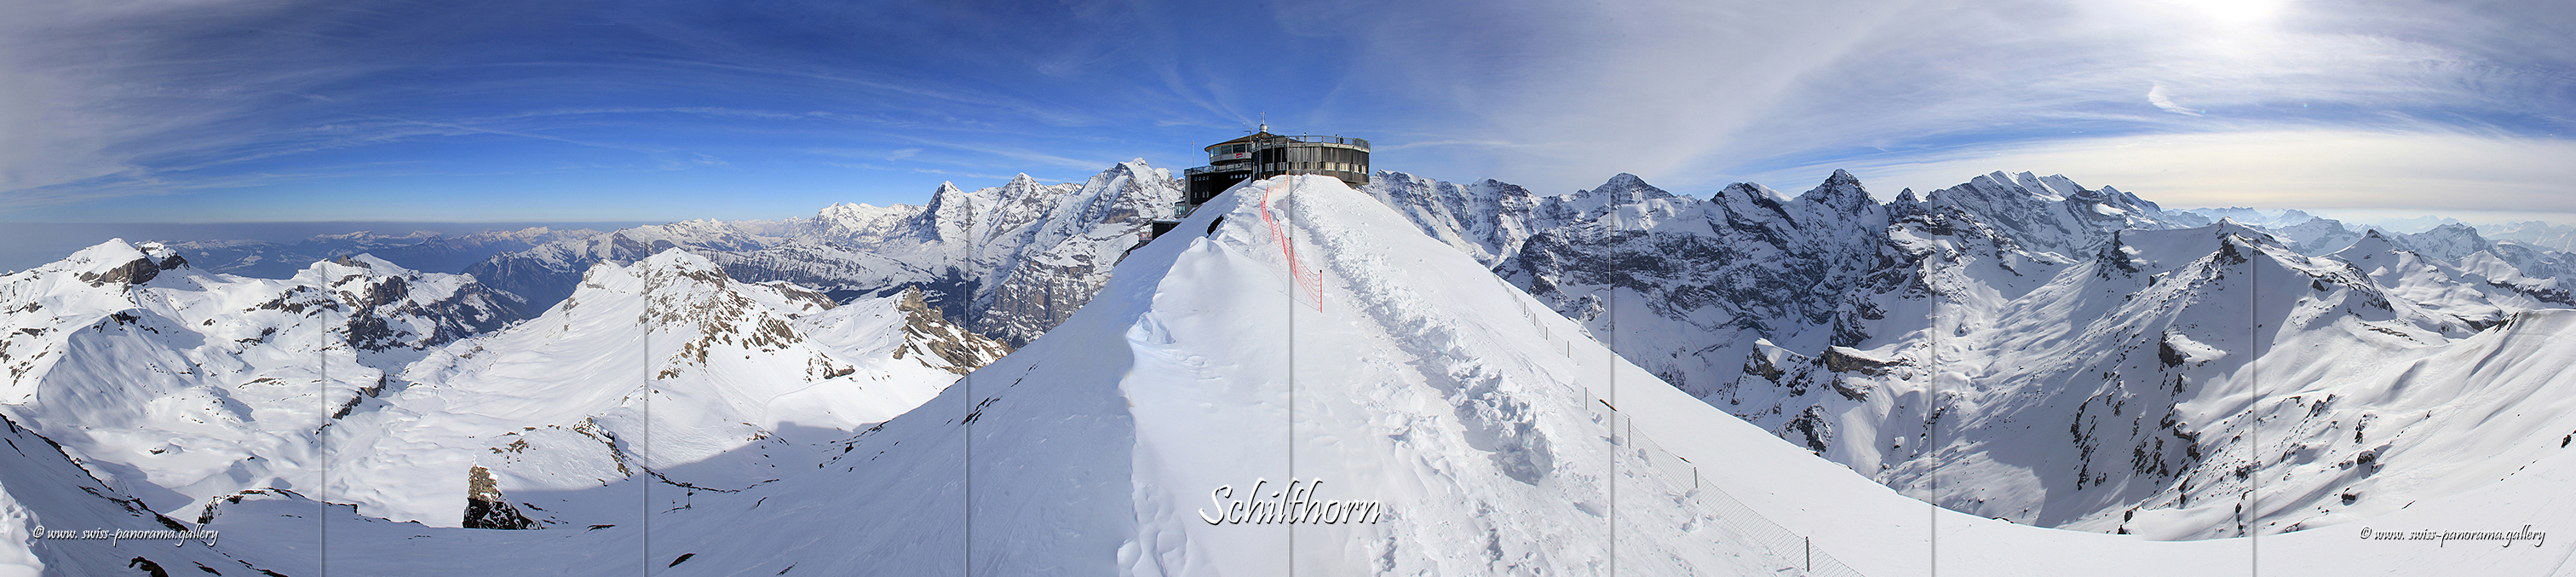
(137, 271)
(486, 509)
(961, 350)
(391, 307)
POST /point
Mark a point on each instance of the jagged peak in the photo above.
(1135, 171)
(2226, 223)
(2061, 186)
(1840, 176)
(2370, 245)
(1749, 190)
(1840, 191)
(2110, 195)
(948, 196)
(1132, 166)
(1995, 179)
(2231, 232)
(1625, 188)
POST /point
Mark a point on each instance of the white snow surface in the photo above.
(744, 376)
(178, 386)
(1311, 335)
(1420, 381)
(2032, 316)
(41, 488)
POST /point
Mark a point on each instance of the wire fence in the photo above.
(1680, 477)
(1676, 476)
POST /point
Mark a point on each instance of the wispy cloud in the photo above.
(106, 100)
(2156, 96)
(1696, 94)
(979, 175)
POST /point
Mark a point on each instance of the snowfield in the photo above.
(1297, 381)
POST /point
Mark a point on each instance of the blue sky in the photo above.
(243, 111)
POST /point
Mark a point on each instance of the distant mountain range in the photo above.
(1975, 347)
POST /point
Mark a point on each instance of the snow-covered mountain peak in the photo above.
(115, 262)
(2051, 218)
(1753, 192)
(2159, 251)
(186, 385)
(2230, 228)
(1426, 405)
(1841, 193)
(2449, 242)
(1625, 188)
(2056, 185)
(1811, 323)
(1134, 167)
(852, 221)
(666, 264)
(2372, 245)
(1009, 260)
(2262, 218)
(687, 289)
(1022, 181)
(370, 262)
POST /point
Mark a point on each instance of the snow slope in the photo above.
(2031, 315)
(1309, 334)
(177, 386)
(1312, 336)
(42, 489)
(557, 404)
(1095, 449)
(1483, 425)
